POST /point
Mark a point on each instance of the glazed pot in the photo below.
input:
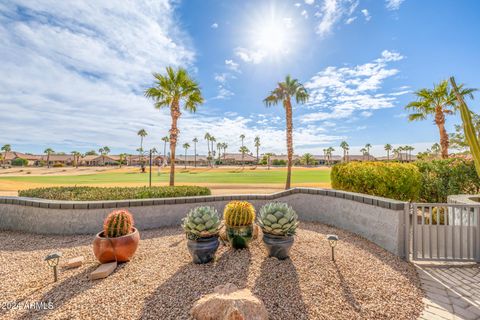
(278, 246)
(203, 250)
(239, 237)
(124, 247)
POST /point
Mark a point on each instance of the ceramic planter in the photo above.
(278, 246)
(239, 237)
(124, 247)
(203, 250)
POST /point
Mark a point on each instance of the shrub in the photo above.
(239, 213)
(441, 178)
(97, 193)
(19, 162)
(118, 223)
(58, 165)
(391, 180)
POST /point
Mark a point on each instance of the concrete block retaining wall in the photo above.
(377, 219)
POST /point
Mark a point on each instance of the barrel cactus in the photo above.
(118, 223)
(239, 213)
(278, 219)
(201, 222)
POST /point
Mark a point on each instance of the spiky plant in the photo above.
(118, 223)
(278, 219)
(239, 213)
(201, 222)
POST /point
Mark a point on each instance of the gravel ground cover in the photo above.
(365, 282)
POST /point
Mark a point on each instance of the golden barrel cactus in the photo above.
(239, 213)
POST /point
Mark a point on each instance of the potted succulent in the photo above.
(119, 239)
(278, 222)
(202, 225)
(239, 217)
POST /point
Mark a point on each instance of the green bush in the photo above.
(278, 162)
(19, 162)
(391, 180)
(58, 165)
(441, 178)
(97, 193)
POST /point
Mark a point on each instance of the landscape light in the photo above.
(332, 240)
(52, 260)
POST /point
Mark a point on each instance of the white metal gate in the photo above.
(443, 231)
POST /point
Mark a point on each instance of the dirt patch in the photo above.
(365, 282)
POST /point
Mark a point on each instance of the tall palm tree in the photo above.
(364, 152)
(6, 148)
(268, 155)
(368, 146)
(435, 148)
(344, 146)
(122, 158)
(224, 147)
(257, 145)
(325, 160)
(308, 159)
(284, 92)
(76, 158)
(186, 145)
(48, 152)
(219, 150)
(388, 148)
(212, 140)
(169, 91)
(104, 151)
(207, 137)
(142, 133)
(195, 141)
(243, 150)
(242, 137)
(329, 153)
(439, 102)
(165, 140)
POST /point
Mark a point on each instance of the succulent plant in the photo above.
(239, 213)
(201, 222)
(278, 219)
(118, 223)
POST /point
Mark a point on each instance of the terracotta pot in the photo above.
(123, 247)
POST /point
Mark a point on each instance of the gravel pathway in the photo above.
(366, 282)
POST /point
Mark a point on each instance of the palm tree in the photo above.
(122, 158)
(6, 148)
(104, 151)
(212, 140)
(165, 140)
(439, 102)
(48, 152)
(368, 146)
(224, 147)
(186, 145)
(308, 159)
(257, 145)
(243, 150)
(364, 152)
(284, 92)
(169, 90)
(242, 137)
(344, 146)
(195, 140)
(325, 160)
(435, 148)
(142, 133)
(76, 158)
(388, 148)
(329, 153)
(219, 150)
(207, 138)
(268, 155)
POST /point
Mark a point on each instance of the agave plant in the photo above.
(278, 219)
(201, 222)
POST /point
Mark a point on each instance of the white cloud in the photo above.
(338, 93)
(393, 4)
(366, 14)
(223, 93)
(214, 25)
(87, 66)
(331, 12)
(232, 65)
(310, 2)
(350, 20)
(304, 13)
(249, 55)
(297, 4)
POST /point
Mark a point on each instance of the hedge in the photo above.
(19, 162)
(391, 180)
(97, 193)
(441, 178)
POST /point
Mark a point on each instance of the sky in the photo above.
(73, 73)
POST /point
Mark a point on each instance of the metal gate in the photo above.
(443, 231)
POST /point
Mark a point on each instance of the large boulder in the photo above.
(227, 302)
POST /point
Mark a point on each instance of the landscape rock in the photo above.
(227, 302)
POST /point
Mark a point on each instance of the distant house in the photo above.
(403, 157)
(322, 160)
(359, 157)
(190, 160)
(12, 155)
(236, 159)
(59, 159)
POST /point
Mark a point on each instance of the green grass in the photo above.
(228, 177)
